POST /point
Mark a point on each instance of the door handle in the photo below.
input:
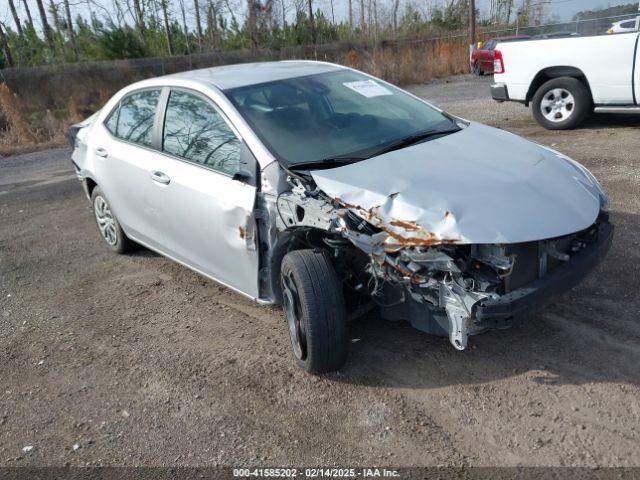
(160, 177)
(101, 152)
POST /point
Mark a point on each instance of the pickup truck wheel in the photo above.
(313, 304)
(107, 223)
(561, 103)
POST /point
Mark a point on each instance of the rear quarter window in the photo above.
(133, 119)
(112, 120)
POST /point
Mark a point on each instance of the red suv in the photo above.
(482, 58)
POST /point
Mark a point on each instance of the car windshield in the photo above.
(335, 115)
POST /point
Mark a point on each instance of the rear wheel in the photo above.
(561, 103)
(313, 304)
(107, 223)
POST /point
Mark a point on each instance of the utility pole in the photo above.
(472, 22)
(311, 22)
(472, 29)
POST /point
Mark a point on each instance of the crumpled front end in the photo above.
(465, 289)
(436, 279)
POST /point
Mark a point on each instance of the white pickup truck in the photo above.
(566, 79)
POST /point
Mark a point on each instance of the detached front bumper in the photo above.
(499, 92)
(500, 312)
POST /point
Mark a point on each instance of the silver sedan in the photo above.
(329, 191)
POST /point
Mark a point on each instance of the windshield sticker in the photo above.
(368, 88)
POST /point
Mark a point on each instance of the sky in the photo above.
(564, 9)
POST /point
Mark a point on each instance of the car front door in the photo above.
(204, 188)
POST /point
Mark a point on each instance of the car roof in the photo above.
(245, 74)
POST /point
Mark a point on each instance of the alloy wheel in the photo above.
(106, 222)
(557, 105)
(293, 312)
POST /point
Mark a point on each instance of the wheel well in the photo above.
(296, 239)
(90, 185)
(555, 72)
(287, 241)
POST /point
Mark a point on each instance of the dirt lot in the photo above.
(139, 361)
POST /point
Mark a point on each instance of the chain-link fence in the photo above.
(586, 26)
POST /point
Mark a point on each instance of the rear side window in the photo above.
(135, 117)
(195, 131)
(630, 24)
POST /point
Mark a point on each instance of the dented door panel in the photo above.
(209, 224)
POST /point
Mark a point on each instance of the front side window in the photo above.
(135, 117)
(320, 117)
(195, 131)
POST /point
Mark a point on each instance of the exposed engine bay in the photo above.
(412, 274)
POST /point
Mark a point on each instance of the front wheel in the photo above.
(477, 71)
(313, 303)
(561, 103)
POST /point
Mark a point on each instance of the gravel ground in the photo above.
(138, 361)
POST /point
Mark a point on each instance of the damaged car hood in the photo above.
(479, 185)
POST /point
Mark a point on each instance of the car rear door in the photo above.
(204, 189)
(125, 155)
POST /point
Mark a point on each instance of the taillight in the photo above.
(498, 63)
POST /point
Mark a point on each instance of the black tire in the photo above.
(314, 307)
(477, 71)
(581, 106)
(115, 239)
